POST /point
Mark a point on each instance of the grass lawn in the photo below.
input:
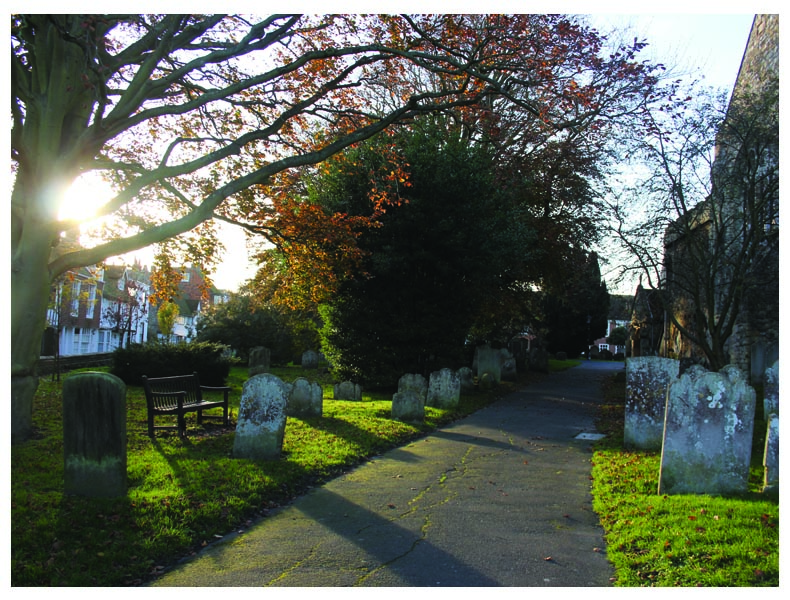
(183, 494)
(679, 540)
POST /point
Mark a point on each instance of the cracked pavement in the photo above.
(500, 498)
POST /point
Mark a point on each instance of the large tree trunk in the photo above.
(30, 291)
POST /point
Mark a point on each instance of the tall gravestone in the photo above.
(260, 360)
(414, 382)
(408, 406)
(488, 360)
(94, 435)
(347, 390)
(444, 389)
(647, 379)
(305, 399)
(707, 433)
(771, 414)
(260, 428)
(310, 359)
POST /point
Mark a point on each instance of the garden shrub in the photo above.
(156, 359)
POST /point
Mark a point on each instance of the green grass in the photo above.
(679, 540)
(182, 493)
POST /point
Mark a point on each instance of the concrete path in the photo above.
(500, 498)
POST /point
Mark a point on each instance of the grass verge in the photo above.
(182, 494)
(678, 540)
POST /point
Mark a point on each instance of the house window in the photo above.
(185, 276)
(75, 298)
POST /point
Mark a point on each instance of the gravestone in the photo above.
(260, 428)
(509, 371)
(538, 360)
(488, 360)
(444, 389)
(413, 382)
(305, 399)
(347, 391)
(771, 415)
(466, 378)
(647, 379)
(260, 361)
(771, 391)
(94, 435)
(408, 406)
(486, 381)
(310, 359)
(771, 457)
(707, 433)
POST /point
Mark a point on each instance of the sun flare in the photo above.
(84, 198)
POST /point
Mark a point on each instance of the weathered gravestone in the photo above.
(646, 381)
(408, 406)
(771, 415)
(509, 370)
(347, 391)
(488, 360)
(414, 382)
(444, 389)
(707, 433)
(94, 435)
(305, 399)
(260, 361)
(486, 381)
(538, 360)
(310, 359)
(771, 390)
(260, 429)
(466, 378)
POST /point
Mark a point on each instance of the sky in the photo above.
(710, 44)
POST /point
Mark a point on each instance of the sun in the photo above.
(86, 195)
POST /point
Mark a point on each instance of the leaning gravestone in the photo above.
(414, 382)
(260, 360)
(94, 435)
(646, 381)
(466, 378)
(310, 359)
(486, 381)
(305, 399)
(347, 391)
(408, 406)
(260, 428)
(708, 433)
(488, 360)
(444, 389)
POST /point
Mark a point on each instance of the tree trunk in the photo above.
(30, 290)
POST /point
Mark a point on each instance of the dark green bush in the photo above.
(156, 359)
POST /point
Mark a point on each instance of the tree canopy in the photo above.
(201, 117)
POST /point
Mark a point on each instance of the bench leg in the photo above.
(200, 417)
(150, 424)
(182, 425)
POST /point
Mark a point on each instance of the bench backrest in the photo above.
(169, 385)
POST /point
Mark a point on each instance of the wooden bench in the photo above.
(179, 395)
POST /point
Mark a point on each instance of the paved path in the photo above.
(500, 498)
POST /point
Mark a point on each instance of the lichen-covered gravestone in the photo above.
(310, 359)
(646, 381)
(260, 359)
(347, 390)
(414, 382)
(260, 429)
(708, 433)
(408, 406)
(94, 435)
(444, 389)
(305, 399)
(771, 413)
